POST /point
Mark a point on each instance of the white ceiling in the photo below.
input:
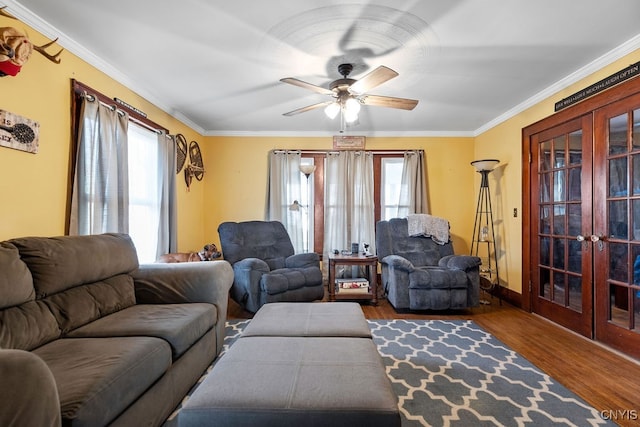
(216, 65)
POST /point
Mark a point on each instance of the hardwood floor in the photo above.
(607, 380)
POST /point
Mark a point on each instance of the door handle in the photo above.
(583, 240)
(599, 240)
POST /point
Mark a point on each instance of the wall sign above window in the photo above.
(348, 142)
(614, 79)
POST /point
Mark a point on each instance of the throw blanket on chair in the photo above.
(430, 226)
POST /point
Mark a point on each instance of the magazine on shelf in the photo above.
(356, 286)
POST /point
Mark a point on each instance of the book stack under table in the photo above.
(352, 286)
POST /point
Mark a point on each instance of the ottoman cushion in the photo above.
(328, 319)
(295, 381)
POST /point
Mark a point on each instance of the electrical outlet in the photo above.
(515, 212)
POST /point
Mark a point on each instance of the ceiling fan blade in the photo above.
(373, 79)
(307, 108)
(305, 85)
(388, 101)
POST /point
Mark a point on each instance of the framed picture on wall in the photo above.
(19, 133)
(348, 142)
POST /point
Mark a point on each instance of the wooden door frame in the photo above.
(588, 106)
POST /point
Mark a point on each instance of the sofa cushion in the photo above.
(286, 279)
(266, 240)
(16, 284)
(181, 325)
(27, 326)
(98, 378)
(78, 306)
(59, 263)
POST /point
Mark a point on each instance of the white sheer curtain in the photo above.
(348, 200)
(167, 228)
(100, 194)
(413, 188)
(283, 189)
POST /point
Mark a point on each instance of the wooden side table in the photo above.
(371, 264)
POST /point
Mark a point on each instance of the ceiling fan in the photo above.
(349, 94)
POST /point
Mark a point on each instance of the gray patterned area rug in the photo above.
(453, 373)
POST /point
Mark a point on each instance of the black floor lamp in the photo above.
(483, 242)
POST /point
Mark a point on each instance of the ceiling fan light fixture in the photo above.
(352, 105)
(350, 116)
(332, 110)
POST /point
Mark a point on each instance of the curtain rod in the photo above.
(91, 97)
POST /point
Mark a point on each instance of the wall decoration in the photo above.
(195, 168)
(348, 142)
(16, 49)
(181, 151)
(632, 70)
(18, 132)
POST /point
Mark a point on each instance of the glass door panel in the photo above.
(562, 285)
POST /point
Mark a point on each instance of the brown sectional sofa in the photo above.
(89, 338)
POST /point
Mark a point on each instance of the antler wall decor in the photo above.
(16, 49)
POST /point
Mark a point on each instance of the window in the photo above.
(390, 186)
(124, 175)
(388, 170)
(144, 194)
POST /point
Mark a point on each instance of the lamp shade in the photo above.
(332, 110)
(295, 206)
(307, 169)
(485, 164)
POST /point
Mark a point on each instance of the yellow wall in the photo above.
(34, 188)
(504, 142)
(236, 188)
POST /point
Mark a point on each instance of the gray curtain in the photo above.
(100, 194)
(167, 229)
(413, 188)
(348, 200)
(283, 188)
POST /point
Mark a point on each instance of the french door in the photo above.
(617, 255)
(561, 203)
(584, 266)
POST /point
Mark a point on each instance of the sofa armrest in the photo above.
(398, 262)
(30, 394)
(310, 259)
(459, 262)
(175, 283)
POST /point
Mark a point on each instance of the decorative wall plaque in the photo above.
(614, 79)
(18, 132)
(348, 142)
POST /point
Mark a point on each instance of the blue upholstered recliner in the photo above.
(265, 266)
(420, 274)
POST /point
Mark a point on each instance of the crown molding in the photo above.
(608, 58)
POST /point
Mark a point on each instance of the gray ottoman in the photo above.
(295, 381)
(325, 319)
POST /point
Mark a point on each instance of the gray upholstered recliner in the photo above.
(265, 266)
(419, 274)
